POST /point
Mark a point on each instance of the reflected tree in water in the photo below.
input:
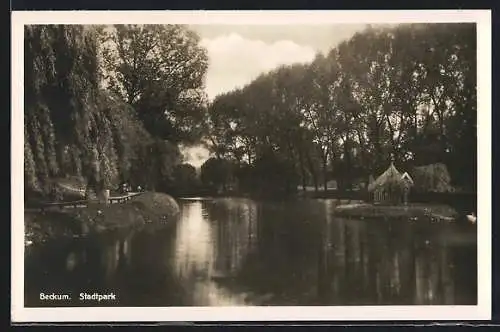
(239, 251)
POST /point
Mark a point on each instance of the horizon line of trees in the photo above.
(406, 93)
(113, 104)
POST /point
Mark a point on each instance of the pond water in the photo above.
(236, 252)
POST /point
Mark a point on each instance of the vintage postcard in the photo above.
(251, 166)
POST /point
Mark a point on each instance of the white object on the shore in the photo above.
(350, 206)
(29, 242)
(472, 218)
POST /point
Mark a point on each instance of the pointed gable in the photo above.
(407, 177)
(390, 175)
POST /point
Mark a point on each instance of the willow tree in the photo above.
(65, 133)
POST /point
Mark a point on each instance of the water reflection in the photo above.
(116, 257)
(367, 266)
(71, 261)
(234, 224)
(211, 240)
(193, 244)
(225, 252)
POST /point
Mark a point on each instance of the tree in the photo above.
(65, 132)
(217, 174)
(158, 164)
(159, 70)
(76, 127)
(320, 113)
(132, 141)
(185, 179)
(405, 92)
(274, 173)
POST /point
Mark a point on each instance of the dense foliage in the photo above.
(110, 104)
(65, 130)
(160, 71)
(407, 93)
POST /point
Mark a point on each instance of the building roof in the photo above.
(407, 177)
(391, 175)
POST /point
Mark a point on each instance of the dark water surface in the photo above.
(240, 252)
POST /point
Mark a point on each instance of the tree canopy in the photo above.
(110, 104)
(159, 70)
(407, 93)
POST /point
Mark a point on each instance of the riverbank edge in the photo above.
(432, 212)
(149, 208)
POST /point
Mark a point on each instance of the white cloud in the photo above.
(195, 155)
(236, 61)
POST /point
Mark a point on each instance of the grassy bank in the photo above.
(76, 222)
(412, 211)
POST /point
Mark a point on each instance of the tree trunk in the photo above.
(340, 183)
(304, 182)
(313, 173)
(302, 170)
(325, 174)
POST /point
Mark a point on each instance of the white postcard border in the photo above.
(482, 311)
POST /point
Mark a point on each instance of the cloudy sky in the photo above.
(239, 53)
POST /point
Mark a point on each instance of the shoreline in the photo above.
(412, 211)
(148, 208)
(153, 208)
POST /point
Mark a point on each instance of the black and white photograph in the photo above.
(251, 165)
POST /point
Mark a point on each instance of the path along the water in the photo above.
(84, 202)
